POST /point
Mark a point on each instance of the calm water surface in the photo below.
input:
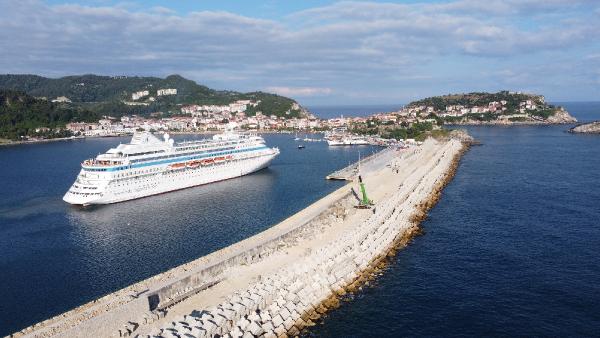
(511, 249)
(54, 257)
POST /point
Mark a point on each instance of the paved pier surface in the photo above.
(370, 163)
(278, 281)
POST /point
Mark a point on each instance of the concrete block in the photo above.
(293, 297)
(265, 316)
(268, 326)
(280, 301)
(277, 320)
(236, 332)
(284, 312)
(290, 306)
(170, 334)
(270, 334)
(219, 320)
(243, 324)
(293, 331)
(231, 315)
(235, 299)
(210, 327)
(288, 323)
(198, 332)
(206, 316)
(254, 316)
(280, 330)
(256, 298)
(248, 303)
(255, 328)
(238, 308)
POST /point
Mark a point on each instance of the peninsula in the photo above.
(587, 128)
(503, 108)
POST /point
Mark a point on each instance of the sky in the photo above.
(319, 52)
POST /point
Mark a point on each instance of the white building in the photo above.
(139, 95)
(237, 107)
(62, 99)
(167, 91)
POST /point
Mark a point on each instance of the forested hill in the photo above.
(503, 107)
(478, 99)
(21, 114)
(106, 94)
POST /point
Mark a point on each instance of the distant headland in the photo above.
(504, 107)
(587, 128)
(36, 109)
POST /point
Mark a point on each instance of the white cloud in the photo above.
(299, 91)
(345, 46)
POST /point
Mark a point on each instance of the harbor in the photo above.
(305, 169)
(259, 285)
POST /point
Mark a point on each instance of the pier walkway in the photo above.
(369, 163)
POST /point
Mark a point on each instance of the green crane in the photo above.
(365, 202)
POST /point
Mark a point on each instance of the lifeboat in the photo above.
(219, 159)
(176, 166)
(193, 164)
(229, 157)
(207, 161)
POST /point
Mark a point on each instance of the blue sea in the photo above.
(54, 257)
(510, 249)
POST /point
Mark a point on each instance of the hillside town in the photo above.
(214, 118)
(200, 118)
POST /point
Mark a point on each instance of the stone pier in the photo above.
(279, 281)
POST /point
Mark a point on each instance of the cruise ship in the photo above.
(149, 166)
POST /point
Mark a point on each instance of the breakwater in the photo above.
(282, 279)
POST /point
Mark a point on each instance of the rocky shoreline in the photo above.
(560, 117)
(586, 128)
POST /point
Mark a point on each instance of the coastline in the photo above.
(586, 128)
(16, 143)
(508, 124)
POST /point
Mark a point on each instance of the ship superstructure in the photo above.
(149, 166)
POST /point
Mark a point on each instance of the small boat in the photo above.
(301, 146)
(220, 159)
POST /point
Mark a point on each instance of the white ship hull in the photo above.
(156, 167)
(168, 180)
